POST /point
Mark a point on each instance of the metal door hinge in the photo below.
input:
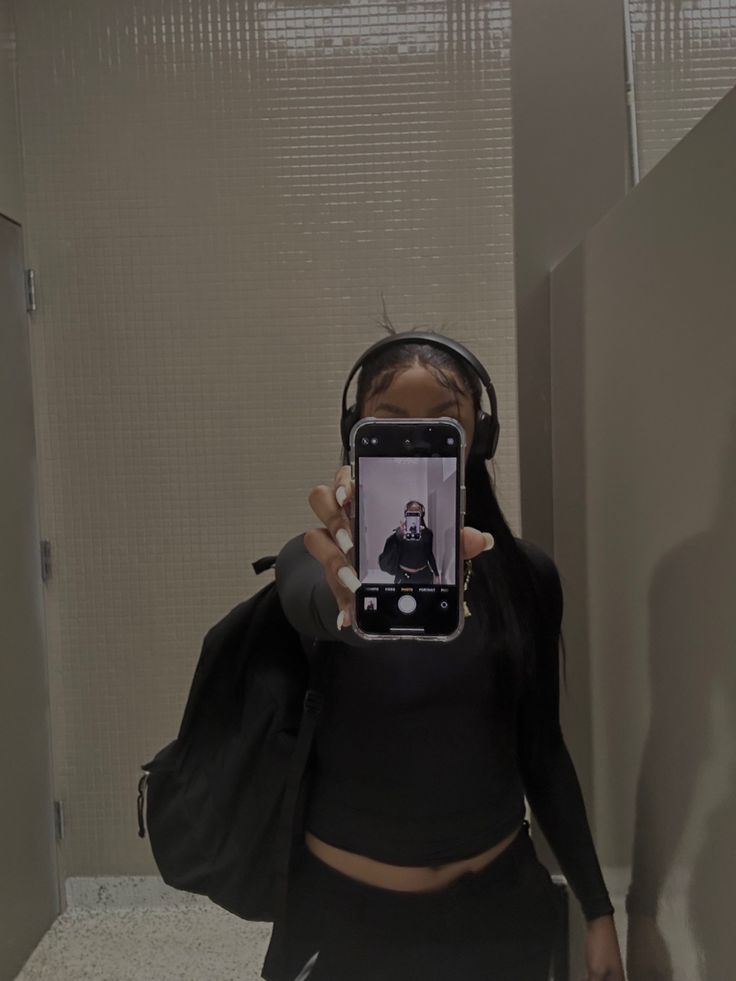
(30, 290)
(45, 560)
(59, 820)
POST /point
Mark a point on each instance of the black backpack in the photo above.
(225, 799)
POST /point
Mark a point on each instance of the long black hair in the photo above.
(509, 596)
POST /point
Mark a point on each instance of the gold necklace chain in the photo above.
(468, 571)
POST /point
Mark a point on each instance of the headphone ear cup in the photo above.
(493, 432)
(485, 436)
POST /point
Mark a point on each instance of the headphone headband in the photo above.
(485, 437)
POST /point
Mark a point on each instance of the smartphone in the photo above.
(408, 512)
(412, 524)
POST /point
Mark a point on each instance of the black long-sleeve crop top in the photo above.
(412, 765)
(411, 553)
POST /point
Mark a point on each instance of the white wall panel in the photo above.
(645, 479)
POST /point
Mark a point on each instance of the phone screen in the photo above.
(413, 525)
(408, 512)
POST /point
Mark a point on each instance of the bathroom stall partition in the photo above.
(644, 448)
(29, 886)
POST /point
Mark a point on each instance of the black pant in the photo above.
(497, 924)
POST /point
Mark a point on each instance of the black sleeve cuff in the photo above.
(600, 906)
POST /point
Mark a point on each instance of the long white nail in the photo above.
(343, 540)
(340, 495)
(490, 540)
(348, 578)
(340, 619)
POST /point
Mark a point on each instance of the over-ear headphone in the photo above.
(485, 435)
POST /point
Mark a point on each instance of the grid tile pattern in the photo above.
(684, 62)
(217, 193)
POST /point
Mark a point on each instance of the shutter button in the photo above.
(407, 604)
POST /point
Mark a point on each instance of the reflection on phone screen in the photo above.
(407, 517)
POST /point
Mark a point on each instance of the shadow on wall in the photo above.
(684, 857)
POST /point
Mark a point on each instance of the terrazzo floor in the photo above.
(138, 929)
(149, 945)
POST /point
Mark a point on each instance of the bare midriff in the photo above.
(404, 878)
(407, 568)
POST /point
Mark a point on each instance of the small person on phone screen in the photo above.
(408, 554)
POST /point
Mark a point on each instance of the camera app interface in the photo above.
(407, 548)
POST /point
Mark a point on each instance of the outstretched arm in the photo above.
(306, 598)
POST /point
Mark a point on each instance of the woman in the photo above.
(416, 860)
(399, 552)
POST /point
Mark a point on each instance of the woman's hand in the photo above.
(602, 954)
(331, 543)
(324, 543)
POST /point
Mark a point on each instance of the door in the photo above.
(29, 897)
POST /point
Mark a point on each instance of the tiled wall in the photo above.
(11, 184)
(684, 62)
(217, 194)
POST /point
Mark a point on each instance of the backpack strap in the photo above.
(289, 826)
(265, 562)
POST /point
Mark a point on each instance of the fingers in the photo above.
(333, 544)
(320, 544)
(343, 488)
(474, 542)
(323, 502)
